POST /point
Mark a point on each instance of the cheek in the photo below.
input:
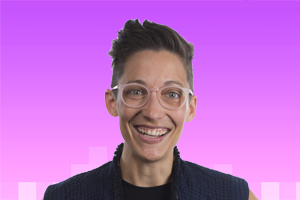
(179, 117)
(124, 117)
(125, 114)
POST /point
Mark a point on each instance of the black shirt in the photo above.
(132, 192)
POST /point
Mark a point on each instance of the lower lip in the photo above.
(150, 140)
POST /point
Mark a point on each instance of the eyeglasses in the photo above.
(136, 95)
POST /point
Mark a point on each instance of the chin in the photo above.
(151, 154)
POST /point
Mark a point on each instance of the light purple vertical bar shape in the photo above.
(9, 190)
(41, 189)
(97, 155)
(298, 191)
(0, 102)
(27, 190)
(225, 168)
(270, 191)
(287, 190)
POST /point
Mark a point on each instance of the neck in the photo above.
(146, 174)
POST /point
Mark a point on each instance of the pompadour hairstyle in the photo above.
(135, 37)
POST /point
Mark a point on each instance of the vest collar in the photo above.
(119, 193)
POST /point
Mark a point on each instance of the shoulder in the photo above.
(100, 173)
(210, 175)
(198, 170)
(55, 191)
(83, 181)
(215, 180)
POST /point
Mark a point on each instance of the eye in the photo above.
(136, 92)
(173, 95)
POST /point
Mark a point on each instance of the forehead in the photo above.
(154, 68)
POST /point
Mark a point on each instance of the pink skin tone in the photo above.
(143, 164)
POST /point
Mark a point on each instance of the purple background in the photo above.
(55, 70)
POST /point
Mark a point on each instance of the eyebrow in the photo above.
(165, 84)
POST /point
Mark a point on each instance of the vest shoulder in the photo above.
(86, 181)
(199, 172)
(103, 172)
(211, 183)
(196, 169)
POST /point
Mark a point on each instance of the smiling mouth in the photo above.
(151, 133)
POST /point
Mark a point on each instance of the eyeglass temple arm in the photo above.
(116, 87)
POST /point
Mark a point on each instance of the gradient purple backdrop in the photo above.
(55, 70)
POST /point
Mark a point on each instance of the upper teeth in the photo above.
(153, 132)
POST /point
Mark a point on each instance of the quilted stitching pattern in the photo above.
(190, 182)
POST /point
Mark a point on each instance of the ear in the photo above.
(111, 103)
(192, 109)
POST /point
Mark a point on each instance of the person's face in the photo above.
(154, 69)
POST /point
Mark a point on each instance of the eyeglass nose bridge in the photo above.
(150, 92)
(153, 89)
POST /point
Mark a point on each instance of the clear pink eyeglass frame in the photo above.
(158, 90)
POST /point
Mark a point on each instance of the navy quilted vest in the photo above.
(190, 182)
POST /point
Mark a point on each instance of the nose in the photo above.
(153, 110)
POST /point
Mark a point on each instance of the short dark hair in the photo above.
(135, 37)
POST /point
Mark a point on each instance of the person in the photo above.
(152, 94)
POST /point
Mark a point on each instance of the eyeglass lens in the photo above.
(170, 97)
